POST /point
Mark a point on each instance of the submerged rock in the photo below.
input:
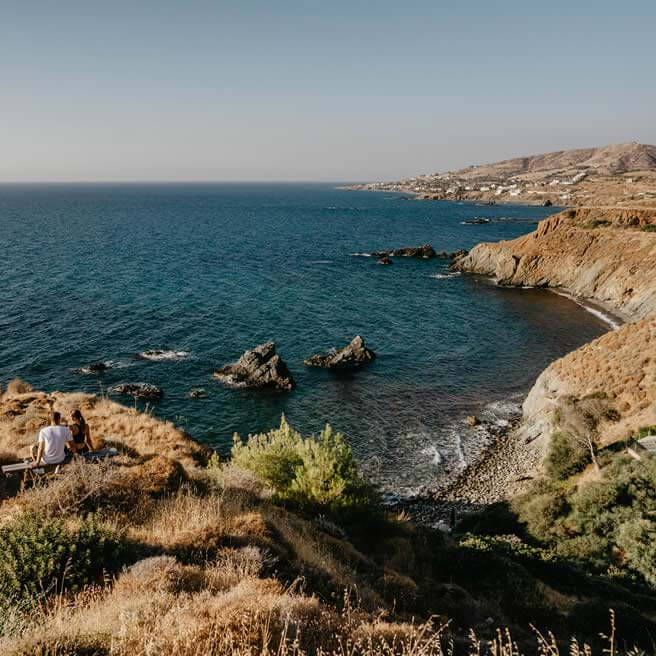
(92, 368)
(260, 367)
(144, 391)
(476, 221)
(196, 393)
(425, 252)
(384, 260)
(351, 357)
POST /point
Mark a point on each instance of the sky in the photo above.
(317, 90)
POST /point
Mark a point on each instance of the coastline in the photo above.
(614, 266)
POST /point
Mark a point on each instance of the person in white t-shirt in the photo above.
(53, 440)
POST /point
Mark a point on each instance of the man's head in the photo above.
(56, 418)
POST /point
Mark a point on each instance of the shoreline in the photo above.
(506, 466)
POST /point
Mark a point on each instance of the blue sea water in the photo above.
(101, 272)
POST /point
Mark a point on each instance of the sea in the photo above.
(102, 272)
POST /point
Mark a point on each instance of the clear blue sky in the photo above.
(315, 90)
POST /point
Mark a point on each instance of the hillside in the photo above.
(610, 160)
(617, 175)
(600, 256)
(150, 554)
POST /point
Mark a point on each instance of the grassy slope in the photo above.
(214, 566)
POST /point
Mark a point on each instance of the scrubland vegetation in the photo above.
(287, 550)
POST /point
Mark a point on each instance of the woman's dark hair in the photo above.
(76, 414)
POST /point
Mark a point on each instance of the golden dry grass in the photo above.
(24, 412)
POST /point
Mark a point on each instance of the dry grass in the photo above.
(227, 572)
(24, 412)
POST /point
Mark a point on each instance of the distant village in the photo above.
(563, 188)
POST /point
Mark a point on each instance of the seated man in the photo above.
(51, 446)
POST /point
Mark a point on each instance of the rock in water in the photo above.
(351, 357)
(92, 368)
(384, 260)
(196, 393)
(425, 252)
(144, 391)
(472, 420)
(260, 367)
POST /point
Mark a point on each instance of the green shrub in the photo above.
(308, 473)
(650, 227)
(44, 556)
(565, 457)
(608, 523)
(598, 223)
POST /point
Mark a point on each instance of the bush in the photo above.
(609, 523)
(308, 473)
(650, 227)
(598, 223)
(41, 557)
(565, 457)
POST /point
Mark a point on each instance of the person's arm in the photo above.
(74, 431)
(70, 442)
(39, 454)
(87, 437)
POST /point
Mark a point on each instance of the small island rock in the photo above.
(196, 393)
(385, 261)
(144, 391)
(425, 252)
(351, 357)
(259, 367)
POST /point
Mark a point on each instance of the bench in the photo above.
(30, 473)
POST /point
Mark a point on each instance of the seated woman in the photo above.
(81, 433)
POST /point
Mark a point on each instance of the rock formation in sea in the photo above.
(259, 367)
(351, 357)
(92, 368)
(425, 252)
(196, 393)
(144, 391)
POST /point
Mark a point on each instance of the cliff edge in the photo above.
(605, 256)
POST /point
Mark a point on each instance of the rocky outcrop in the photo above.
(620, 365)
(259, 367)
(196, 393)
(144, 391)
(93, 368)
(607, 256)
(351, 357)
(425, 252)
(604, 255)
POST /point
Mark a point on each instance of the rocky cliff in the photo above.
(608, 257)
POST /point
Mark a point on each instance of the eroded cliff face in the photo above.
(607, 256)
(603, 255)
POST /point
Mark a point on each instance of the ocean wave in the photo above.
(433, 453)
(444, 276)
(362, 254)
(606, 317)
(158, 356)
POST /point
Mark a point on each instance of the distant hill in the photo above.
(615, 175)
(607, 160)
